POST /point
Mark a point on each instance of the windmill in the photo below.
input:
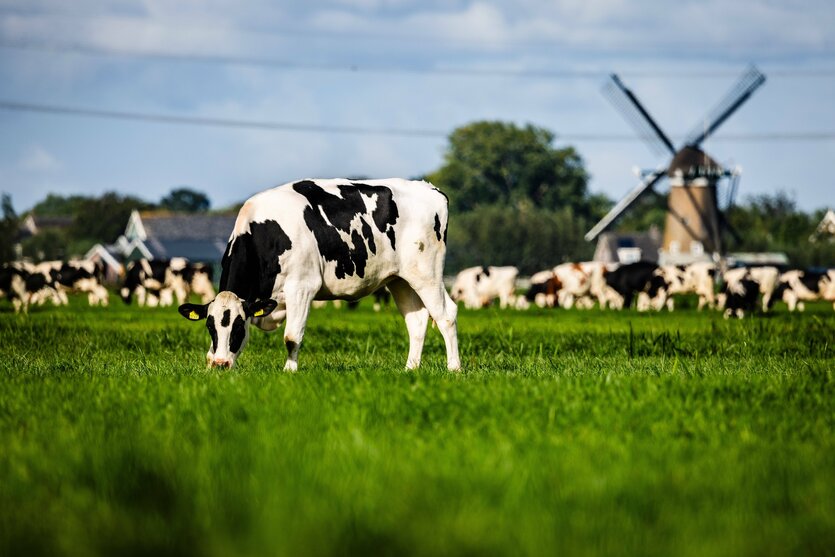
(694, 220)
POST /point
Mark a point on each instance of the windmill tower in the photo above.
(694, 221)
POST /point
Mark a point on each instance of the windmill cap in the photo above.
(692, 162)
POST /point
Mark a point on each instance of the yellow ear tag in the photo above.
(258, 313)
(193, 315)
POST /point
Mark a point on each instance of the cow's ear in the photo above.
(194, 312)
(259, 308)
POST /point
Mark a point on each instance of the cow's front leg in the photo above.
(298, 307)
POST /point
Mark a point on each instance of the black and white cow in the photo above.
(13, 287)
(643, 279)
(796, 287)
(739, 296)
(331, 239)
(478, 286)
(766, 278)
(158, 282)
(80, 276)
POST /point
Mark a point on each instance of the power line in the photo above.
(277, 63)
(211, 121)
(15, 106)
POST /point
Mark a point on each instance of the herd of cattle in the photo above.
(154, 283)
(652, 287)
(581, 285)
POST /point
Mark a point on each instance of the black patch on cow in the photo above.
(68, 275)
(227, 316)
(136, 275)
(328, 214)
(238, 334)
(745, 299)
(291, 345)
(811, 280)
(438, 226)
(369, 236)
(250, 263)
(210, 324)
(627, 280)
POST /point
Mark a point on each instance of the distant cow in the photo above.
(331, 239)
(765, 278)
(476, 287)
(13, 287)
(543, 289)
(700, 279)
(81, 276)
(740, 296)
(632, 279)
(796, 287)
(158, 282)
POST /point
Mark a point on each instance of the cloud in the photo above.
(38, 159)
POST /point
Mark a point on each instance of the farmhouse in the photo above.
(826, 228)
(615, 247)
(163, 235)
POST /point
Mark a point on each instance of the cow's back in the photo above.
(351, 235)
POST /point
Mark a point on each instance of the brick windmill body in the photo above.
(695, 222)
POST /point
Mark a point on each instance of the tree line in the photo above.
(91, 219)
(515, 199)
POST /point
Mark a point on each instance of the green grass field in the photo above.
(567, 433)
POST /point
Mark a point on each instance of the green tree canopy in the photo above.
(490, 163)
(58, 205)
(102, 219)
(185, 200)
(9, 225)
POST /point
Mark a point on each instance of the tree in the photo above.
(102, 219)
(9, 227)
(57, 205)
(185, 200)
(524, 236)
(490, 163)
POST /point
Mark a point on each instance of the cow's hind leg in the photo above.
(445, 313)
(416, 316)
(298, 307)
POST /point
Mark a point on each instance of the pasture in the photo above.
(568, 432)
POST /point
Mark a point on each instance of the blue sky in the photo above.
(403, 65)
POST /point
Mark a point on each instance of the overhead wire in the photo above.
(211, 121)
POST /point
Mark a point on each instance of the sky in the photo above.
(373, 88)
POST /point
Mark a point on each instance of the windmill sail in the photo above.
(750, 81)
(638, 117)
(621, 206)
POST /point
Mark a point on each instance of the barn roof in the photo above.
(198, 237)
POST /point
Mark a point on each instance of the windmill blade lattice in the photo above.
(637, 116)
(750, 81)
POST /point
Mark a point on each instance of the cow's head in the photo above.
(227, 319)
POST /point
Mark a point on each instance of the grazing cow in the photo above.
(331, 239)
(740, 296)
(635, 278)
(13, 287)
(478, 286)
(575, 282)
(700, 279)
(543, 289)
(765, 277)
(80, 276)
(796, 287)
(198, 280)
(158, 282)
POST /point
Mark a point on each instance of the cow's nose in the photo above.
(218, 362)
